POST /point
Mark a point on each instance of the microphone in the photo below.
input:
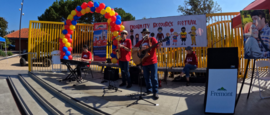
(144, 37)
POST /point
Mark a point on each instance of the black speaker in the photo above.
(134, 75)
(222, 57)
(111, 74)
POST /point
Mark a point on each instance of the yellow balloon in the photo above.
(87, 10)
(72, 27)
(115, 33)
(62, 36)
(64, 40)
(108, 9)
(73, 12)
(70, 17)
(67, 44)
(114, 60)
(112, 13)
(102, 12)
(109, 20)
(83, 11)
(122, 28)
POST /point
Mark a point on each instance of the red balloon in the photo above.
(70, 40)
(76, 10)
(116, 13)
(90, 4)
(113, 18)
(70, 32)
(68, 22)
(70, 57)
(61, 57)
(98, 10)
(79, 14)
(113, 37)
(67, 27)
(112, 29)
(112, 24)
(107, 15)
(112, 9)
(113, 52)
(69, 48)
(101, 5)
(84, 5)
(67, 35)
(171, 30)
(63, 53)
(115, 42)
(117, 27)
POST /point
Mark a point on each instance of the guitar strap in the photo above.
(150, 42)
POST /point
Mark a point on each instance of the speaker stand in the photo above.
(110, 87)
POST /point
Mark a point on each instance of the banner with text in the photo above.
(182, 31)
(100, 41)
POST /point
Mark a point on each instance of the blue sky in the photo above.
(138, 8)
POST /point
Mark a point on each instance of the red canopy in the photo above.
(255, 5)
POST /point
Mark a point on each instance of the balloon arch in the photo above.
(114, 20)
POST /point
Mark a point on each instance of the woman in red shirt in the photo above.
(191, 63)
(86, 57)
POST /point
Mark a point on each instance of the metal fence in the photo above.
(44, 38)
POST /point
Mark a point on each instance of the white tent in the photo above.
(4, 40)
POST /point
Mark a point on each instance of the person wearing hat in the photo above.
(125, 48)
(149, 64)
(191, 63)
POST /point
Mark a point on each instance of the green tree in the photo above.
(60, 10)
(3, 26)
(192, 7)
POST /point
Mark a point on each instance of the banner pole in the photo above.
(251, 78)
(242, 83)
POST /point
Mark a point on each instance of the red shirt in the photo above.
(152, 59)
(192, 59)
(104, 42)
(125, 55)
(87, 55)
(160, 35)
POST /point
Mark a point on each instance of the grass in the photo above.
(3, 53)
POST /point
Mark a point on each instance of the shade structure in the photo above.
(255, 5)
(4, 40)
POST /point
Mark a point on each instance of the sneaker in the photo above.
(155, 96)
(129, 86)
(121, 85)
(187, 84)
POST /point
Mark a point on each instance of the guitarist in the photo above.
(149, 64)
(125, 48)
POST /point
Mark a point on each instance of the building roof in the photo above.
(255, 5)
(25, 32)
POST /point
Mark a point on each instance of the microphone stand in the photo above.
(140, 78)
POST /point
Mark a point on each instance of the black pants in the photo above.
(79, 71)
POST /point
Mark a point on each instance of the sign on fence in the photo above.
(100, 41)
(181, 30)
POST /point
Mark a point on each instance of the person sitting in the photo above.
(191, 63)
(86, 57)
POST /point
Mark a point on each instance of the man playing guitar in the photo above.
(125, 48)
(149, 64)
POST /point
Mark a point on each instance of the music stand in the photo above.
(140, 77)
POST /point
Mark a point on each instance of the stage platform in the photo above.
(174, 98)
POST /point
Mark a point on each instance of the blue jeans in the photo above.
(125, 72)
(151, 81)
(187, 68)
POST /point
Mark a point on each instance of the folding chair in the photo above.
(87, 70)
(265, 78)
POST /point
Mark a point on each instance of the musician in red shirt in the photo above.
(125, 48)
(191, 63)
(86, 57)
(149, 64)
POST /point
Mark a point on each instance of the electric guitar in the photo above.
(139, 56)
